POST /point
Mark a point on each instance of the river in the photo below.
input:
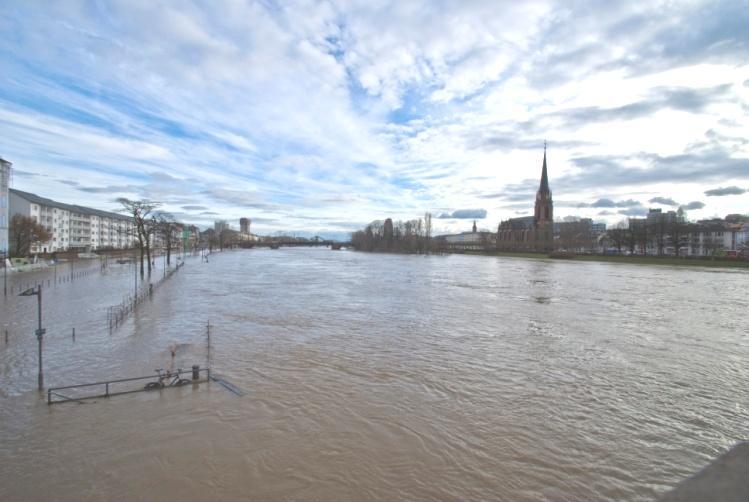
(380, 377)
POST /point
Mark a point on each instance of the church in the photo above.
(531, 233)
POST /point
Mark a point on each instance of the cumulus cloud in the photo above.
(633, 211)
(610, 203)
(464, 214)
(665, 201)
(682, 99)
(722, 191)
(694, 205)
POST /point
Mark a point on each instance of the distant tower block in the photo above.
(244, 225)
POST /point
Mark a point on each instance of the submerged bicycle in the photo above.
(167, 379)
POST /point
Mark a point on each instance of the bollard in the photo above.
(195, 371)
(73, 334)
(6, 337)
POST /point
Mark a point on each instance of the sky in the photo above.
(319, 117)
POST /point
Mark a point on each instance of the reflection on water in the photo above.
(383, 377)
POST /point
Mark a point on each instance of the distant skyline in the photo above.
(322, 116)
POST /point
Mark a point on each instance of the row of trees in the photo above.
(412, 236)
(149, 222)
(638, 236)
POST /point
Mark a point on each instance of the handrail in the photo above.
(132, 379)
(53, 390)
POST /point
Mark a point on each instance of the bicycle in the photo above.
(167, 379)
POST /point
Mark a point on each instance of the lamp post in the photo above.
(135, 268)
(40, 331)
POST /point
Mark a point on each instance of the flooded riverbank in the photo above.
(381, 377)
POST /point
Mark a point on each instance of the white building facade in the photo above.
(73, 227)
(4, 206)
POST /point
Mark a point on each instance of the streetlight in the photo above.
(40, 331)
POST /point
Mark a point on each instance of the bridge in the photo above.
(293, 243)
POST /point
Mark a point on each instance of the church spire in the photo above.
(544, 177)
(544, 213)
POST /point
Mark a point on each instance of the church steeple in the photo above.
(544, 176)
(474, 226)
(544, 213)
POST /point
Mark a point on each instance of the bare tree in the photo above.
(660, 234)
(630, 236)
(618, 235)
(24, 233)
(642, 237)
(428, 225)
(167, 228)
(144, 226)
(227, 237)
(678, 235)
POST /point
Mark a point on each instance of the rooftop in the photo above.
(42, 201)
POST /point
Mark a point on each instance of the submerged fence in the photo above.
(75, 393)
(116, 314)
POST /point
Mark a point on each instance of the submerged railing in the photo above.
(156, 382)
(116, 314)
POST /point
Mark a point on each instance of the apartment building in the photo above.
(73, 227)
(4, 209)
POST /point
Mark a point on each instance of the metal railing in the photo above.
(54, 395)
(117, 314)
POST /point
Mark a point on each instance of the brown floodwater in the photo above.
(371, 377)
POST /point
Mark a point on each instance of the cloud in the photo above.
(191, 207)
(634, 211)
(682, 99)
(24, 174)
(610, 203)
(111, 189)
(641, 168)
(663, 201)
(722, 191)
(694, 205)
(464, 214)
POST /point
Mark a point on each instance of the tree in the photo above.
(678, 235)
(642, 236)
(618, 236)
(226, 238)
(167, 227)
(25, 233)
(144, 225)
(660, 232)
(630, 237)
(387, 231)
